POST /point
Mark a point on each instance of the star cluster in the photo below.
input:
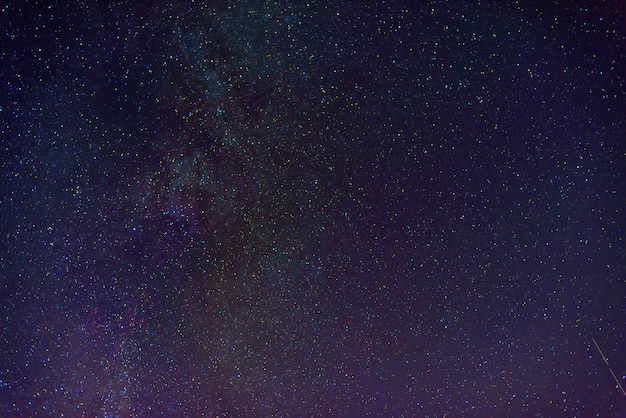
(272, 208)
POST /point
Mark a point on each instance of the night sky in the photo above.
(312, 208)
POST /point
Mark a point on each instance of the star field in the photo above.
(273, 208)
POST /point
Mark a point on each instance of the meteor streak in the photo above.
(606, 360)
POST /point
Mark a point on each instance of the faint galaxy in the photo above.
(265, 208)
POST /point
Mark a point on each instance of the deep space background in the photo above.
(312, 208)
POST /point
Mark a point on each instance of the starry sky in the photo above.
(312, 208)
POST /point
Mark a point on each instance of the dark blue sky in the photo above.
(271, 208)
